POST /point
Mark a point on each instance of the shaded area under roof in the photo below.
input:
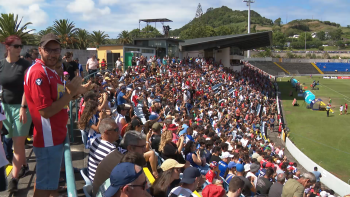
(243, 41)
(155, 20)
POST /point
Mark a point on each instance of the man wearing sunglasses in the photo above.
(127, 179)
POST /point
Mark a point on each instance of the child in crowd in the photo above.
(213, 175)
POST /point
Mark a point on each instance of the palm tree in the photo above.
(99, 37)
(124, 37)
(82, 37)
(46, 31)
(9, 25)
(65, 30)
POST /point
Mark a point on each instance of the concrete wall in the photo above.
(186, 54)
(328, 179)
(83, 55)
(223, 55)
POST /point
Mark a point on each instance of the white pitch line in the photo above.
(337, 92)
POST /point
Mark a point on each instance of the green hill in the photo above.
(225, 21)
(227, 18)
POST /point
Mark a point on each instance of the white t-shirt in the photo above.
(250, 174)
(118, 120)
(3, 160)
(92, 64)
(118, 63)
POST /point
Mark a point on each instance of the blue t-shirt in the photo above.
(222, 167)
(317, 175)
(80, 69)
(120, 98)
(190, 159)
(190, 138)
(228, 178)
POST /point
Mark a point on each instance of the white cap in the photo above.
(323, 194)
(226, 155)
(247, 167)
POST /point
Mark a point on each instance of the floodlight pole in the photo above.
(248, 4)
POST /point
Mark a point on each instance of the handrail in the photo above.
(71, 188)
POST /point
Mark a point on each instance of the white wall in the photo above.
(223, 55)
(328, 179)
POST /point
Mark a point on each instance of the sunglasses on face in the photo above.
(16, 46)
(143, 185)
(55, 51)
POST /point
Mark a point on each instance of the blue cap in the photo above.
(153, 117)
(122, 174)
(239, 167)
(156, 100)
(232, 165)
(190, 174)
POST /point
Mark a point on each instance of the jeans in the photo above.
(3, 180)
(7, 144)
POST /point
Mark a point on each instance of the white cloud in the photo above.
(30, 10)
(108, 2)
(87, 8)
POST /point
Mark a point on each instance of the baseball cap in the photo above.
(247, 167)
(107, 78)
(172, 127)
(231, 165)
(190, 174)
(122, 174)
(254, 167)
(260, 158)
(213, 190)
(153, 117)
(239, 167)
(171, 163)
(123, 87)
(226, 155)
(65, 73)
(47, 38)
(136, 123)
(76, 59)
(213, 164)
(157, 126)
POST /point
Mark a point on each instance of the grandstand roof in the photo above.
(155, 20)
(243, 41)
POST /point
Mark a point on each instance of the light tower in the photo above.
(248, 4)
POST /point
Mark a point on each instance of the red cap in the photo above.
(213, 191)
(172, 127)
(291, 163)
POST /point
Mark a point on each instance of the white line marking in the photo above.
(337, 92)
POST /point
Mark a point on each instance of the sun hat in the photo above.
(172, 127)
(171, 163)
(254, 167)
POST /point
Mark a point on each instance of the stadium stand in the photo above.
(268, 67)
(334, 68)
(299, 68)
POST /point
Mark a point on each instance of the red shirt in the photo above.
(210, 176)
(42, 87)
(103, 64)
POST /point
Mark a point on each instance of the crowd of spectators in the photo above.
(195, 124)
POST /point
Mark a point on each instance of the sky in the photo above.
(114, 16)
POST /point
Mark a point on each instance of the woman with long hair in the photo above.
(18, 119)
(171, 170)
(193, 156)
(89, 124)
(169, 149)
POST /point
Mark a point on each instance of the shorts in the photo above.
(12, 123)
(48, 166)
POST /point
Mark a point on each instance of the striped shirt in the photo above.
(98, 151)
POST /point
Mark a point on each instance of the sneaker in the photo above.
(23, 171)
(13, 185)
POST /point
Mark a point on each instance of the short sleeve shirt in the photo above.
(43, 87)
(92, 64)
